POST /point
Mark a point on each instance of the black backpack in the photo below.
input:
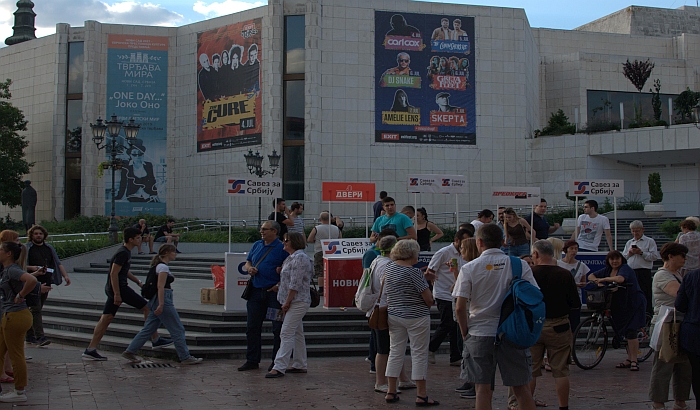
(150, 286)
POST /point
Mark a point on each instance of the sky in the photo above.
(558, 14)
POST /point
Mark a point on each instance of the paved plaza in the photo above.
(59, 379)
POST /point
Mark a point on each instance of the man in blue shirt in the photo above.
(396, 221)
(263, 264)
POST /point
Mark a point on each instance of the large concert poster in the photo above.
(229, 98)
(137, 87)
(425, 79)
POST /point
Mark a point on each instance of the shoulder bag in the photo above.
(670, 351)
(249, 286)
(313, 291)
(379, 319)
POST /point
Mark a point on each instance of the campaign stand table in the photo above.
(341, 277)
(236, 281)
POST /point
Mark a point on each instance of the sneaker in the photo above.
(43, 342)
(469, 394)
(27, 358)
(367, 360)
(161, 342)
(465, 387)
(152, 253)
(431, 357)
(31, 339)
(93, 355)
(381, 389)
(456, 362)
(13, 396)
(372, 370)
(192, 360)
(130, 357)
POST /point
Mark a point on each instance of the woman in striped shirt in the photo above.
(408, 299)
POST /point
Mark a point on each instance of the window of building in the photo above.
(294, 108)
(604, 106)
(74, 129)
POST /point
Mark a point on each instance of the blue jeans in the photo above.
(260, 300)
(519, 250)
(170, 319)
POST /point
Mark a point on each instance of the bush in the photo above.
(599, 125)
(558, 215)
(100, 223)
(656, 195)
(241, 235)
(558, 125)
(9, 223)
(670, 228)
(76, 247)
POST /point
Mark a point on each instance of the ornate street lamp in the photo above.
(254, 163)
(114, 148)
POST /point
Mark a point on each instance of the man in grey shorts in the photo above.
(484, 282)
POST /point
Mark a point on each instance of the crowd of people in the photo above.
(467, 280)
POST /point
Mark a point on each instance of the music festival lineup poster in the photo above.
(137, 87)
(229, 99)
(425, 79)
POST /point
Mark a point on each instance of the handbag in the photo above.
(315, 297)
(379, 318)
(249, 286)
(670, 351)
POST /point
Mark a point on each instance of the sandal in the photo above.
(547, 367)
(394, 397)
(624, 365)
(7, 379)
(424, 402)
(634, 366)
(540, 403)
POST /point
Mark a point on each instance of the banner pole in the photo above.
(576, 217)
(366, 222)
(532, 224)
(615, 207)
(229, 224)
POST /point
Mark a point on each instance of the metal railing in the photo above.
(70, 237)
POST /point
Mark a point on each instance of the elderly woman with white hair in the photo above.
(408, 302)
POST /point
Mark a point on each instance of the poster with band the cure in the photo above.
(425, 79)
(229, 99)
(137, 87)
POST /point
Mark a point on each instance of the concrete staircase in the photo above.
(185, 266)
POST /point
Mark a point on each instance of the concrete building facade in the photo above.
(523, 74)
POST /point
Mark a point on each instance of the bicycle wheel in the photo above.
(590, 343)
(644, 335)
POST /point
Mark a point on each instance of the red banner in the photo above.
(348, 192)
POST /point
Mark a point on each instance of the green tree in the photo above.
(558, 125)
(13, 166)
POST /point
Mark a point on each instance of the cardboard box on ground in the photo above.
(212, 296)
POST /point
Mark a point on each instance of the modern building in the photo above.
(362, 91)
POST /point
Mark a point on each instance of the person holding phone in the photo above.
(641, 252)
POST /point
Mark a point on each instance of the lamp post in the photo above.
(114, 148)
(254, 163)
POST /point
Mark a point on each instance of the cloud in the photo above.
(225, 7)
(76, 12)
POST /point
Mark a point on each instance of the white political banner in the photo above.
(260, 187)
(597, 187)
(437, 184)
(509, 195)
(334, 248)
(236, 281)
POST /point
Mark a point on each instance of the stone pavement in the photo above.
(59, 379)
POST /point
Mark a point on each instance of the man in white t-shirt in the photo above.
(484, 283)
(590, 228)
(445, 264)
(323, 231)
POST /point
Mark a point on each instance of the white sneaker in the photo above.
(13, 396)
(192, 360)
(431, 357)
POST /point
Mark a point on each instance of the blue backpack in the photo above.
(522, 312)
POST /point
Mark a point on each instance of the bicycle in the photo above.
(591, 335)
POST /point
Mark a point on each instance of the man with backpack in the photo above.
(560, 297)
(485, 282)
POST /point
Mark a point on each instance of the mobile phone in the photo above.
(635, 246)
(49, 270)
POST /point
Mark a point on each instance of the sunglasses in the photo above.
(403, 60)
